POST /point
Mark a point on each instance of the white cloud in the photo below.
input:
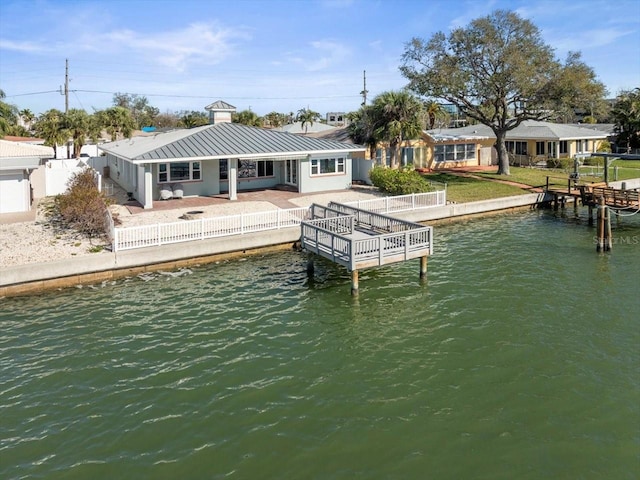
(588, 39)
(200, 43)
(324, 54)
(24, 47)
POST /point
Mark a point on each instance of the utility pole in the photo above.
(364, 89)
(66, 98)
(66, 86)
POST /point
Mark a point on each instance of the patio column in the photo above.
(148, 187)
(233, 179)
(558, 149)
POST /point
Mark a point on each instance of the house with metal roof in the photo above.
(528, 143)
(226, 157)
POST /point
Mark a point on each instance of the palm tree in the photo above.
(307, 116)
(81, 126)
(27, 117)
(117, 120)
(433, 110)
(362, 128)
(247, 117)
(50, 126)
(193, 119)
(8, 116)
(275, 119)
(398, 117)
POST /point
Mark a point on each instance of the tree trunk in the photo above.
(503, 155)
(394, 154)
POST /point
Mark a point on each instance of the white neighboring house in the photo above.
(17, 163)
(308, 128)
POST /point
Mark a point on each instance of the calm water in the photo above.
(518, 358)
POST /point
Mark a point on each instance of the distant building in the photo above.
(337, 119)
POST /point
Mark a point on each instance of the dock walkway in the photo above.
(356, 238)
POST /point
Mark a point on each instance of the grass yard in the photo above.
(536, 177)
(465, 189)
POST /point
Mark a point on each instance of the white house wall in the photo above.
(15, 192)
(320, 183)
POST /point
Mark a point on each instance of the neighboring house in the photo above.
(337, 119)
(307, 129)
(474, 145)
(17, 163)
(528, 143)
(27, 140)
(226, 158)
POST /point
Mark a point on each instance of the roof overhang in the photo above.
(20, 163)
(251, 156)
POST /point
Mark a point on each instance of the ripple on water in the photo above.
(251, 368)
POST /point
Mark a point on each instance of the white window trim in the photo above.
(455, 158)
(339, 162)
(191, 170)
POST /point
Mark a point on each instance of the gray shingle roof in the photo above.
(527, 130)
(222, 140)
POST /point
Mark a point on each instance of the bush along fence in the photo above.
(126, 238)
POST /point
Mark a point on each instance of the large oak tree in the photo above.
(498, 71)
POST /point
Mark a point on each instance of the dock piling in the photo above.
(604, 227)
(354, 282)
(423, 267)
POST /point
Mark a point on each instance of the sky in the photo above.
(269, 55)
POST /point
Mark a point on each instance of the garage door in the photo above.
(13, 193)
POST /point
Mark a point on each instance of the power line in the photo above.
(32, 93)
(209, 96)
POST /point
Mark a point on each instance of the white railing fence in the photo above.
(125, 238)
(402, 203)
(210, 227)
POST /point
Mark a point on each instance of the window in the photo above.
(406, 156)
(519, 148)
(454, 153)
(324, 166)
(563, 146)
(179, 172)
(248, 169)
(539, 148)
(255, 168)
(224, 169)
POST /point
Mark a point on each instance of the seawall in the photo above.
(106, 266)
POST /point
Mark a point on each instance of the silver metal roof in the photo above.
(527, 130)
(222, 140)
(220, 105)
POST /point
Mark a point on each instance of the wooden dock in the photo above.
(358, 239)
(590, 195)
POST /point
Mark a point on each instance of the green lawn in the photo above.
(464, 189)
(537, 177)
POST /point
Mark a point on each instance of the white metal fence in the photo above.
(126, 238)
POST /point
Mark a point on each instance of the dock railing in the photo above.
(382, 239)
(126, 238)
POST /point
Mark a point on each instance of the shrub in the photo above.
(82, 206)
(399, 182)
(594, 161)
(564, 163)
